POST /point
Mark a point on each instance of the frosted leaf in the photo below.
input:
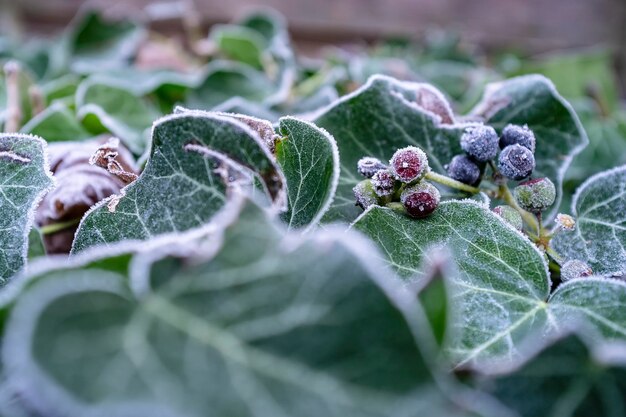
(597, 302)
(187, 179)
(502, 282)
(569, 374)
(309, 159)
(24, 178)
(599, 207)
(285, 338)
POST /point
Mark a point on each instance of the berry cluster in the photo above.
(481, 144)
(402, 180)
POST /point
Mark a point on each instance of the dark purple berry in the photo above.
(383, 182)
(420, 200)
(516, 162)
(464, 169)
(367, 166)
(521, 135)
(364, 194)
(535, 195)
(480, 142)
(409, 164)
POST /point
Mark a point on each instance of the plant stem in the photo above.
(37, 100)
(449, 182)
(57, 227)
(506, 195)
(14, 108)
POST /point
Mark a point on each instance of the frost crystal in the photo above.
(574, 269)
(480, 142)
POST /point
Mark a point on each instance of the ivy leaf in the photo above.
(600, 236)
(600, 302)
(96, 45)
(103, 106)
(533, 100)
(376, 120)
(24, 179)
(309, 159)
(239, 43)
(205, 339)
(502, 284)
(56, 124)
(225, 80)
(180, 189)
(567, 378)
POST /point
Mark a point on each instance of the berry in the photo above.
(480, 142)
(515, 134)
(367, 166)
(516, 162)
(510, 215)
(535, 195)
(575, 269)
(383, 182)
(420, 200)
(463, 168)
(364, 194)
(409, 164)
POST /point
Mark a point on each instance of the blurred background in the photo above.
(525, 26)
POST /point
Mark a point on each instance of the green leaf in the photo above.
(36, 247)
(502, 283)
(309, 159)
(104, 106)
(24, 179)
(376, 120)
(568, 378)
(96, 45)
(180, 189)
(239, 43)
(533, 100)
(143, 82)
(600, 236)
(225, 80)
(56, 124)
(202, 337)
(601, 302)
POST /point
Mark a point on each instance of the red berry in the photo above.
(420, 200)
(409, 164)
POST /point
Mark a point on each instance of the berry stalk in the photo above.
(449, 182)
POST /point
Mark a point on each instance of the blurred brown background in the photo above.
(532, 26)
